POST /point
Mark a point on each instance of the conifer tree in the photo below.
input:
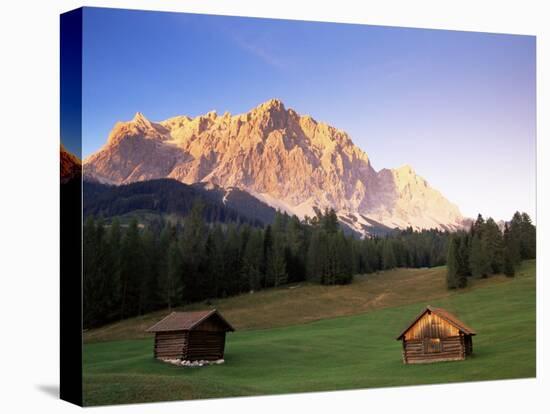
(452, 264)
(513, 242)
(493, 243)
(252, 260)
(172, 286)
(329, 221)
(478, 263)
(478, 226)
(131, 270)
(528, 241)
(368, 254)
(276, 273)
(215, 261)
(112, 284)
(149, 295)
(388, 255)
(343, 254)
(509, 261)
(463, 257)
(232, 262)
(296, 256)
(192, 246)
(314, 259)
(268, 244)
(455, 279)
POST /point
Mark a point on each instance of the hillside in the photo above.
(303, 303)
(287, 160)
(348, 352)
(167, 196)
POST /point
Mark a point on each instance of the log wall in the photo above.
(206, 345)
(416, 351)
(171, 345)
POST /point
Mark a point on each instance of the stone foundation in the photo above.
(199, 363)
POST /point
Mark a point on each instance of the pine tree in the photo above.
(478, 226)
(388, 255)
(452, 264)
(150, 298)
(172, 286)
(215, 261)
(509, 247)
(164, 241)
(493, 242)
(367, 254)
(478, 263)
(329, 221)
(314, 265)
(252, 261)
(513, 242)
(296, 250)
(455, 279)
(131, 270)
(516, 229)
(343, 253)
(276, 273)
(114, 288)
(463, 257)
(509, 268)
(232, 262)
(268, 244)
(528, 242)
(192, 246)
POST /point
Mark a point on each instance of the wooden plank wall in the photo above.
(431, 326)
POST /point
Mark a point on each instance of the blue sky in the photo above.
(458, 107)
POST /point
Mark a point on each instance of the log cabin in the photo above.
(191, 336)
(436, 335)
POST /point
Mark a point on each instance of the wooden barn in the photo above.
(191, 336)
(436, 335)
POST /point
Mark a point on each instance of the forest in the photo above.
(486, 250)
(134, 269)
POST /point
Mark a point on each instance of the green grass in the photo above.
(358, 351)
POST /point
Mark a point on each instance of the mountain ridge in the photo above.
(70, 165)
(290, 161)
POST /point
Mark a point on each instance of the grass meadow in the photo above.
(319, 338)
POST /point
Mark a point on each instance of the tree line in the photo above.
(133, 269)
(486, 249)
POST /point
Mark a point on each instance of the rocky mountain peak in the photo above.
(139, 117)
(285, 159)
(272, 105)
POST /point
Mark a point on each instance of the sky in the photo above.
(459, 107)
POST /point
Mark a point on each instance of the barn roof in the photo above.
(185, 321)
(442, 313)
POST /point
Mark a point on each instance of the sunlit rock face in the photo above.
(288, 160)
(70, 165)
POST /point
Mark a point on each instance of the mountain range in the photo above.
(289, 161)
